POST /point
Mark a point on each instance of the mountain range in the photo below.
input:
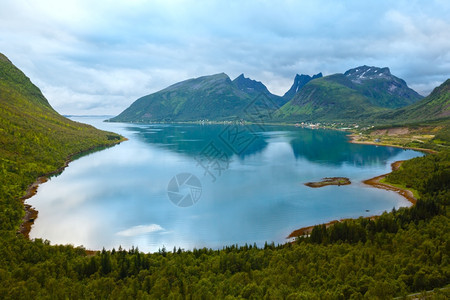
(214, 97)
(35, 140)
(351, 96)
(355, 95)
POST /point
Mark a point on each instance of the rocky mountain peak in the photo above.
(248, 85)
(363, 73)
(299, 82)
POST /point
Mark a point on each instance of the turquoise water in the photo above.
(252, 186)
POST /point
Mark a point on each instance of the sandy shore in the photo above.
(31, 214)
(374, 182)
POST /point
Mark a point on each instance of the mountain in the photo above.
(213, 97)
(381, 87)
(299, 82)
(248, 85)
(330, 98)
(434, 106)
(255, 88)
(352, 96)
(35, 140)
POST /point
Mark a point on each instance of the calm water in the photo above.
(253, 191)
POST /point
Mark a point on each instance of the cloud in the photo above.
(99, 56)
(140, 230)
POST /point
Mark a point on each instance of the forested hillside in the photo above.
(399, 253)
(35, 140)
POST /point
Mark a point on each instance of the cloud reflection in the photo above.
(140, 230)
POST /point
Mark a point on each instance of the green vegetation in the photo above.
(329, 98)
(353, 96)
(403, 186)
(432, 134)
(399, 253)
(213, 97)
(428, 175)
(381, 87)
(299, 82)
(435, 106)
(209, 97)
(254, 88)
(425, 124)
(35, 140)
(350, 97)
(329, 181)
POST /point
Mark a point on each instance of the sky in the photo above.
(97, 57)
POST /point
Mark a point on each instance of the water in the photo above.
(119, 196)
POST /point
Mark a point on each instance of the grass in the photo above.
(35, 140)
(329, 181)
(430, 135)
(330, 98)
(402, 186)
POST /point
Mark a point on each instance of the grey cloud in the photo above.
(89, 55)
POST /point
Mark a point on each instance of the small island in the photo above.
(329, 181)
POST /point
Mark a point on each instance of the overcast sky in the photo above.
(97, 57)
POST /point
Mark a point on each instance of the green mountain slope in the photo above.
(34, 138)
(254, 88)
(331, 98)
(352, 259)
(435, 106)
(351, 96)
(299, 82)
(213, 97)
(381, 87)
(208, 97)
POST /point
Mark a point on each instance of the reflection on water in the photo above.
(118, 196)
(322, 146)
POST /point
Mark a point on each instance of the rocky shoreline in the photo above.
(374, 182)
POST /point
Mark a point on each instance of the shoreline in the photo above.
(31, 213)
(353, 139)
(376, 182)
(373, 182)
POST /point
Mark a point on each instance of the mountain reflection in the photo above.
(332, 147)
(119, 196)
(194, 139)
(321, 146)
